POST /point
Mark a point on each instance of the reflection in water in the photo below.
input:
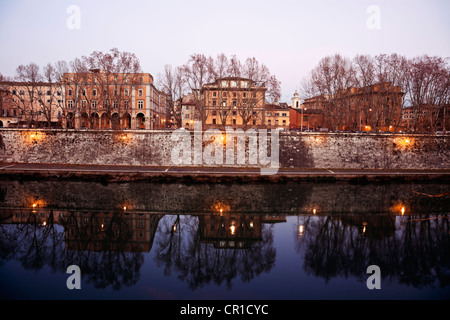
(214, 248)
(413, 250)
(225, 232)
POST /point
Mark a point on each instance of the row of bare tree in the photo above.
(423, 80)
(37, 92)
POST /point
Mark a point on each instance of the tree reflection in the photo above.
(413, 250)
(37, 241)
(199, 262)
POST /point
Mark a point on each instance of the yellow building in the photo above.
(233, 102)
(277, 116)
(30, 104)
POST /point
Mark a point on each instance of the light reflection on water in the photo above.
(170, 241)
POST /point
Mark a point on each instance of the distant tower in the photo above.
(296, 101)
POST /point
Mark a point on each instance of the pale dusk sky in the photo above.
(289, 37)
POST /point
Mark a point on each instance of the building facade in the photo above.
(90, 100)
(277, 116)
(30, 104)
(98, 100)
(373, 108)
(426, 118)
(232, 102)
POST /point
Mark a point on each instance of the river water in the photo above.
(176, 241)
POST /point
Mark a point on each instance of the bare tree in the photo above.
(115, 74)
(330, 79)
(24, 91)
(101, 81)
(196, 73)
(201, 70)
(171, 83)
(427, 86)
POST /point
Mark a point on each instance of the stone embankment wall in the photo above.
(296, 150)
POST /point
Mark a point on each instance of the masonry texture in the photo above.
(296, 150)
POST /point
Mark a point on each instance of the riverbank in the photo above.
(119, 173)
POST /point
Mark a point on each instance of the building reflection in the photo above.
(92, 231)
(234, 230)
(113, 231)
(338, 229)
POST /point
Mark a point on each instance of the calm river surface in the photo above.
(224, 241)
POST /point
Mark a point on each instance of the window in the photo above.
(49, 93)
(283, 115)
(70, 104)
(83, 103)
(277, 114)
(94, 103)
(214, 103)
(125, 92)
(244, 84)
(214, 120)
(116, 104)
(140, 92)
(94, 92)
(21, 92)
(126, 104)
(224, 103)
(234, 121)
(214, 113)
(269, 122)
(269, 114)
(140, 104)
(186, 116)
(284, 122)
(69, 92)
(233, 83)
(234, 113)
(214, 94)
